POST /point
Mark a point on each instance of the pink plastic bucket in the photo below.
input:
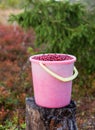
(52, 81)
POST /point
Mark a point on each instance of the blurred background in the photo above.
(29, 27)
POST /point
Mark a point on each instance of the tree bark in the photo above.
(40, 118)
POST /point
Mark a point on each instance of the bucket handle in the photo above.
(59, 77)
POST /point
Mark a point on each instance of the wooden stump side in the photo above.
(40, 118)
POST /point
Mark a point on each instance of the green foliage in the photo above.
(11, 125)
(31, 51)
(11, 3)
(54, 22)
(62, 27)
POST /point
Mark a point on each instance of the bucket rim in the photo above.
(52, 62)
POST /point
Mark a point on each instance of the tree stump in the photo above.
(40, 118)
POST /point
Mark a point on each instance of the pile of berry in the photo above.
(52, 57)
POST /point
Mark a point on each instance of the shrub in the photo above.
(15, 75)
(14, 42)
(62, 27)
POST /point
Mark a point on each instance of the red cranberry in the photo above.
(52, 57)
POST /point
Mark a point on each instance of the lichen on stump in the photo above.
(40, 118)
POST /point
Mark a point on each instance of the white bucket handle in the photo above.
(59, 77)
